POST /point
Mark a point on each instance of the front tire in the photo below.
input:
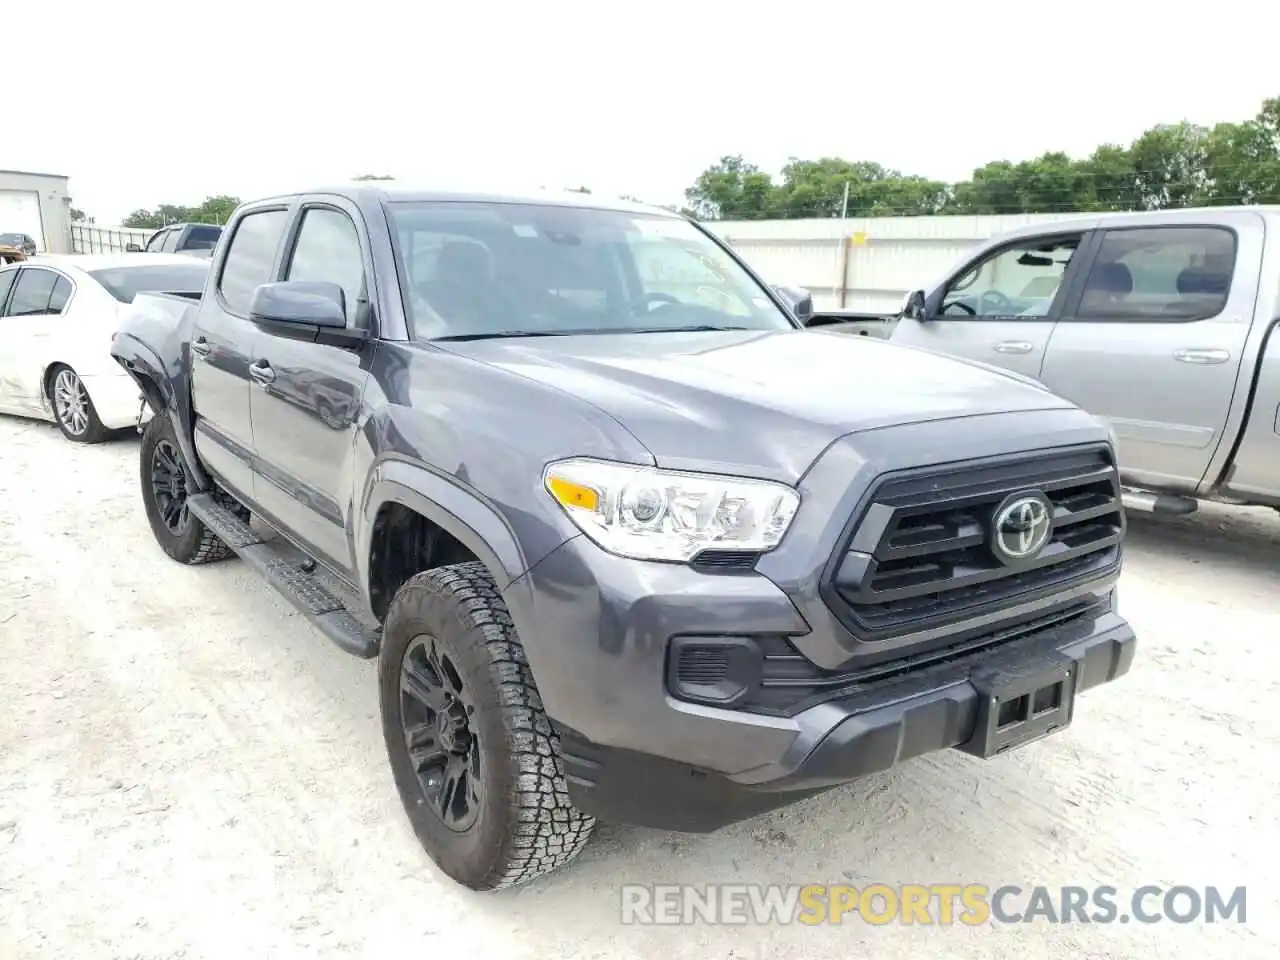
(474, 755)
(165, 487)
(73, 411)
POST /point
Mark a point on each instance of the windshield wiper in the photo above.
(692, 328)
(501, 334)
(582, 331)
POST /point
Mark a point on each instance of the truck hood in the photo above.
(758, 403)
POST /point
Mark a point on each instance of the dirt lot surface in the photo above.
(188, 770)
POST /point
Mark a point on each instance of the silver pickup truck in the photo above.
(1159, 322)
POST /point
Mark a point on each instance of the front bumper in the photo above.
(597, 632)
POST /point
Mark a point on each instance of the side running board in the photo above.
(275, 562)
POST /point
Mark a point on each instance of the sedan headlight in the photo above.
(648, 514)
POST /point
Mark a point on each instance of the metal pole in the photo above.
(844, 206)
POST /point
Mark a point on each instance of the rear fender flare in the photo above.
(146, 369)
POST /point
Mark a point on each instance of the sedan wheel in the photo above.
(73, 409)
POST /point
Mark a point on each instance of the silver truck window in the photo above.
(1170, 274)
(1017, 281)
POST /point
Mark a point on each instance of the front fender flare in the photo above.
(475, 524)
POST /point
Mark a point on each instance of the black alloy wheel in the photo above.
(436, 709)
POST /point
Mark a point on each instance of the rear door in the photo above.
(1001, 306)
(222, 344)
(1153, 338)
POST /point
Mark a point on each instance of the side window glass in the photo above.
(1175, 274)
(6, 284)
(1018, 281)
(31, 296)
(61, 294)
(328, 248)
(250, 257)
(157, 238)
(170, 242)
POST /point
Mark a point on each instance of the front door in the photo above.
(306, 396)
(1000, 308)
(1154, 337)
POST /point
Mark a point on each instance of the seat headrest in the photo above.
(1203, 280)
(1111, 277)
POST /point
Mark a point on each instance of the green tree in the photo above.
(1170, 165)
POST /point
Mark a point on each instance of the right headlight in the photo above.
(649, 514)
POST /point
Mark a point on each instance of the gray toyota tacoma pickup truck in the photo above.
(627, 541)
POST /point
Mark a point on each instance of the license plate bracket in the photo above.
(1021, 703)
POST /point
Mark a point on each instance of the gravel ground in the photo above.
(188, 770)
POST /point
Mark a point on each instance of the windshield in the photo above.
(512, 269)
(124, 283)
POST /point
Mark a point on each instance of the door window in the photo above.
(61, 294)
(6, 284)
(157, 238)
(1171, 274)
(250, 258)
(32, 294)
(328, 248)
(1017, 281)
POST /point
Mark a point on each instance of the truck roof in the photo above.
(1126, 218)
(388, 191)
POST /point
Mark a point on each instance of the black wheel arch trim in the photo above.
(475, 524)
(154, 379)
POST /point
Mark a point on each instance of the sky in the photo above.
(142, 103)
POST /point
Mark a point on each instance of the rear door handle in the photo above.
(1201, 355)
(1014, 346)
(201, 347)
(261, 372)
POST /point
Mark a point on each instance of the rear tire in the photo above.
(165, 485)
(73, 411)
(448, 641)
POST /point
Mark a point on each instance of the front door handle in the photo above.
(1014, 346)
(1201, 355)
(261, 372)
(201, 346)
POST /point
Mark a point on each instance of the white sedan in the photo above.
(58, 315)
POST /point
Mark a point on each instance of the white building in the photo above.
(39, 205)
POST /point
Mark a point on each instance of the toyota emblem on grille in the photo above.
(1021, 527)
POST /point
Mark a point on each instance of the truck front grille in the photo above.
(921, 556)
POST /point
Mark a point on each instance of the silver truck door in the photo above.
(1001, 305)
(1153, 337)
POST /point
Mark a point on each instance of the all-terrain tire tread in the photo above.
(209, 548)
(546, 831)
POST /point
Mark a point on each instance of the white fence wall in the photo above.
(867, 264)
(91, 238)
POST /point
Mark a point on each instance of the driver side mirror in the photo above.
(311, 310)
(800, 302)
(913, 307)
(132, 248)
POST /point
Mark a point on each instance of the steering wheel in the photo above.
(969, 311)
(997, 302)
(651, 298)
